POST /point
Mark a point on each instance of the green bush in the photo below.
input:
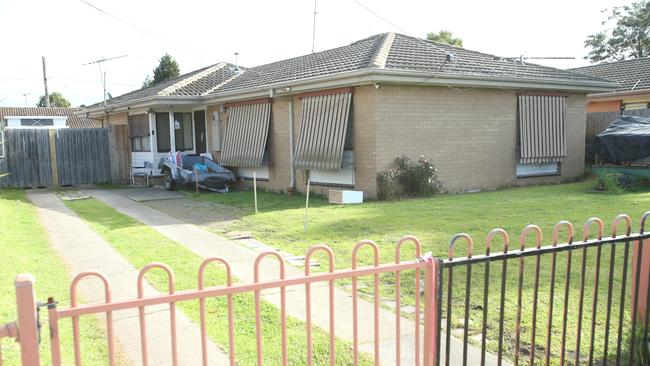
(387, 185)
(412, 178)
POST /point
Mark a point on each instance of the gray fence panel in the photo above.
(27, 158)
(82, 156)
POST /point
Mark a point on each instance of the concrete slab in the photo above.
(149, 194)
(242, 258)
(84, 250)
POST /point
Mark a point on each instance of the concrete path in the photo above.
(206, 244)
(84, 250)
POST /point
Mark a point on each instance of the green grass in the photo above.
(435, 220)
(141, 245)
(24, 248)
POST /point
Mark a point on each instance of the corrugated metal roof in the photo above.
(385, 51)
(73, 121)
(631, 74)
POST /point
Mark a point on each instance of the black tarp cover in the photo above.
(625, 139)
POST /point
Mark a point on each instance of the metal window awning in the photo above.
(246, 134)
(323, 127)
(542, 132)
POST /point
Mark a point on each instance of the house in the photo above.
(42, 117)
(340, 116)
(633, 92)
(631, 97)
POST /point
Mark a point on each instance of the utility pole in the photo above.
(313, 31)
(47, 95)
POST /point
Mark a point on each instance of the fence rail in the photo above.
(532, 304)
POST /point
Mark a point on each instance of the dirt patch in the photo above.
(213, 216)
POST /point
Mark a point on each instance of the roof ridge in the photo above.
(207, 71)
(222, 84)
(381, 54)
(645, 58)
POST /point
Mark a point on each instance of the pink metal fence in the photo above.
(433, 270)
(27, 305)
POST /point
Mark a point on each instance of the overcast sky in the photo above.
(197, 33)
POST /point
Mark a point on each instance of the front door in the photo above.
(199, 132)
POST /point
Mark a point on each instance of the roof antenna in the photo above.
(102, 75)
(313, 32)
(237, 60)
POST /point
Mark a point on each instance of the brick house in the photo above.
(340, 116)
(631, 97)
(633, 91)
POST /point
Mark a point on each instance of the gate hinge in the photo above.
(50, 304)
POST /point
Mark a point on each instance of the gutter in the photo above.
(368, 76)
(613, 95)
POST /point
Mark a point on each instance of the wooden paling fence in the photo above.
(38, 158)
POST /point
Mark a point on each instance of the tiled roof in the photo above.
(631, 74)
(409, 53)
(388, 51)
(73, 121)
(355, 56)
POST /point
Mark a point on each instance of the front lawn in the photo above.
(140, 245)
(24, 248)
(434, 220)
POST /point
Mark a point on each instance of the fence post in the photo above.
(431, 312)
(53, 162)
(643, 285)
(27, 324)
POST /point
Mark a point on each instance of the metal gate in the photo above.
(39, 158)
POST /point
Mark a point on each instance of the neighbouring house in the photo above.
(42, 117)
(340, 116)
(631, 97)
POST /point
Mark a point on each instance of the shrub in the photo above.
(413, 178)
(612, 183)
(387, 185)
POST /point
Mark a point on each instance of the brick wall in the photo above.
(608, 106)
(469, 134)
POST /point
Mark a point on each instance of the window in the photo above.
(532, 170)
(541, 134)
(139, 132)
(183, 131)
(36, 122)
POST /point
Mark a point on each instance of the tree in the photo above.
(628, 39)
(56, 100)
(445, 37)
(167, 69)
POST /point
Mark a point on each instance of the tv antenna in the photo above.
(313, 31)
(102, 75)
(522, 58)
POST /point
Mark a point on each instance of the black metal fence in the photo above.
(569, 302)
(37, 158)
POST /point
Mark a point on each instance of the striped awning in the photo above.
(246, 134)
(323, 126)
(542, 133)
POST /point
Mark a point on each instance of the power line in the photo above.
(198, 55)
(365, 7)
